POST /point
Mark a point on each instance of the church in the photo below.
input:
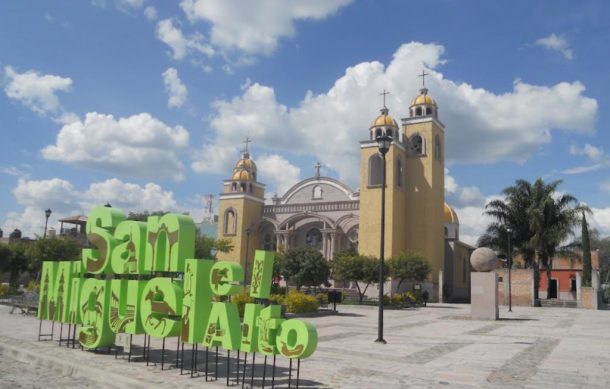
(327, 215)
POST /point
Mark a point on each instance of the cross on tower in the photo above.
(317, 166)
(248, 140)
(423, 78)
(384, 93)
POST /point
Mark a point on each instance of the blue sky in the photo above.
(144, 104)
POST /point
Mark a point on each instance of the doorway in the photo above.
(553, 290)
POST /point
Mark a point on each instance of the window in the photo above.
(399, 172)
(230, 222)
(375, 170)
(417, 144)
(377, 133)
(418, 111)
(243, 186)
(437, 148)
(352, 237)
(234, 187)
(389, 133)
(313, 238)
(317, 193)
(269, 242)
(428, 111)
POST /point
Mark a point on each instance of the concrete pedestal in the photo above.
(484, 296)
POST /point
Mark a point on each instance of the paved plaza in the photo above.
(434, 346)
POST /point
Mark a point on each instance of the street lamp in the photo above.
(509, 263)
(47, 213)
(248, 231)
(383, 142)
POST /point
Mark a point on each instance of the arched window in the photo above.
(375, 170)
(437, 148)
(377, 133)
(234, 187)
(230, 222)
(313, 238)
(417, 144)
(269, 242)
(399, 172)
(243, 186)
(418, 111)
(389, 133)
(317, 193)
(428, 111)
(352, 238)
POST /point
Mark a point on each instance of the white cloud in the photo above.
(557, 43)
(450, 183)
(600, 220)
(180, 44)
(65, 200)
(175, 88)
(279, 174)
(473, 223)
(138, 145)
(605, 187)
(592, 152)
(482, 126)
(35, 90)
(255, 26)
(150, 13)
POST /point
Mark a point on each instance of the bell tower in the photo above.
(425, 190)
(240, 209)
(371, 175)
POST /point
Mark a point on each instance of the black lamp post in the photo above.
(248, 231)
(47, 213)
(383, 143)
(509, 263)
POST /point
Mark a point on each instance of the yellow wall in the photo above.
(370, 207)
(425, 198)
(249, 213)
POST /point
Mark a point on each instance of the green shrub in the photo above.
(322, 298)
(33, 286)
(297, 302)
(4, 290)
(397, 299)
(241, 300)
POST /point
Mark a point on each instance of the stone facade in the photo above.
(522, 286)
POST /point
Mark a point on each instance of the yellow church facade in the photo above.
(327, 215)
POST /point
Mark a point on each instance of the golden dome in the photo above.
(450, 217)
(384, 120)
(245, 169)
(423, 99)
(242, 175)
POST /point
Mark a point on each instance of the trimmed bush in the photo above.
(297, 302)
(241, 300)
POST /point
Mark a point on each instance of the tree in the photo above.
(305, 266)
(552, 218)
(539, 220)
(511, 213)
(14, 260)
(52, 249)
(204, 246)
(143, 216)
(586, 253)
(349, 266)
(409, 267)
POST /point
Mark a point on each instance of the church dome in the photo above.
(384, 124)
(245, 169)
(384, 120)
(423, 98)
(423, 105)
(450, 217)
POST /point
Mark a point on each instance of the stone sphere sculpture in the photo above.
(484, 259)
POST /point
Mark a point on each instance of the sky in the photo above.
(145, 104)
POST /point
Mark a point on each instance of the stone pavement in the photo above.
(435, 346)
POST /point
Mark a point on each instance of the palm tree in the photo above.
(511, 213)
(552, 218)
(539, 220)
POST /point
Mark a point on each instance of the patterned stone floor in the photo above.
(435, 346)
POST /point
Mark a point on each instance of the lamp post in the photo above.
(509, 263)
(248, 231)
(47, 213)
(383, 142)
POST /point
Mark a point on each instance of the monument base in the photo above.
(484, 296)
